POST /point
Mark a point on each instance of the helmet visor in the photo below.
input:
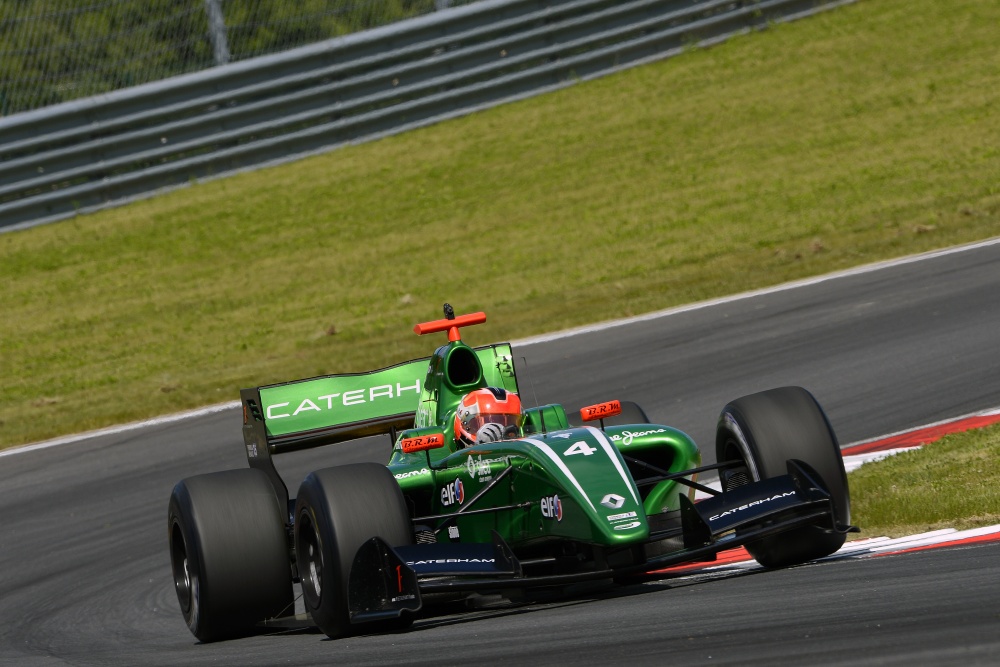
(474, 422)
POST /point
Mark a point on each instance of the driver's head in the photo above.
(487, 415)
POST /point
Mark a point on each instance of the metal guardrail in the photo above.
(107, 150)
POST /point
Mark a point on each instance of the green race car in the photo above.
(483, 497)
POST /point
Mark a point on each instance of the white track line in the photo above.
(114, 430)
(544, 338)
(805, 282)
(981, 413)
(851, 463)
(872, 546)
(855, 461)
(884, 544)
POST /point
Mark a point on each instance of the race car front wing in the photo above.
(386, 582)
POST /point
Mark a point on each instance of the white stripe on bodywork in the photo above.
(545, 449)
(609, 449)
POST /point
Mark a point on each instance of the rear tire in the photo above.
(337, 510)
(766, 429)
(228, 553)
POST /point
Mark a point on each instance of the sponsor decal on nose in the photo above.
(453, 493)
(627, 526)
(552, 508)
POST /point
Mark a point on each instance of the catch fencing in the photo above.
(54, 51)
(107, 150)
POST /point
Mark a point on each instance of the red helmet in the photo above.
(487, 406)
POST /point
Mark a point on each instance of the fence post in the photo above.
(217, 31)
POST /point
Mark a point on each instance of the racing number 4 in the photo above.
(580, 448)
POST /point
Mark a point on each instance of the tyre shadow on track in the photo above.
(484, 608)
(492, 607)
(567, 599)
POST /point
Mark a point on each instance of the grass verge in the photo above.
(857, 135)
(951, 483)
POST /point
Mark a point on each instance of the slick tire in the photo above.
(337, 510)
(228, 553)
(766, 429)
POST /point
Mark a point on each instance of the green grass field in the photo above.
(860, 134)
(947, 484)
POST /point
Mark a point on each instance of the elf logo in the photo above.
(552, 508)
(453, 493)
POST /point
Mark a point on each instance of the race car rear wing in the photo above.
(329, 409)
(333, 408)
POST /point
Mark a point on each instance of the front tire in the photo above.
(337, 510)
(228, 553)
(763, 431)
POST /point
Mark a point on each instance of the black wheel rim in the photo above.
(736, 476)
(181, 569)
(310, 558)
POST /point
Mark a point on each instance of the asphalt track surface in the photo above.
(84, 570)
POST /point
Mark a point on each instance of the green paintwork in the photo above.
(544, 418)
(443, 390)
(579, 466)
(335, 400)
(542, 471)
(563, 483)
(676, 446)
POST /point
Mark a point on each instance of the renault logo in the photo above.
(613, 500)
